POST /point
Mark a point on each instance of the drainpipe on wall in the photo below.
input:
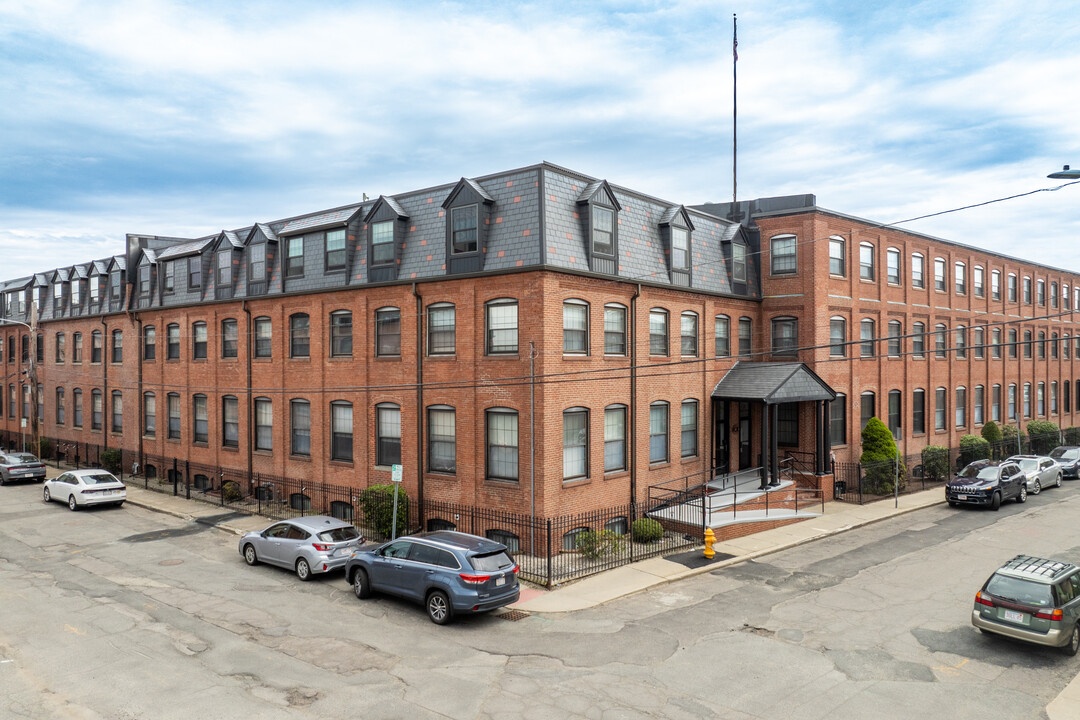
(106, 425)
(134, 317)
(419, 404)
(633, 400)
(250, 401)
(532, 447)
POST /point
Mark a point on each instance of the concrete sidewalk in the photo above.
(628, 579)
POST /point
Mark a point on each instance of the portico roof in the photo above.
(772, 383)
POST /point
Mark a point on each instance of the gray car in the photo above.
(1040, 471)
(308, 545)
(20, 466)
(1034, 600)
(449, 572)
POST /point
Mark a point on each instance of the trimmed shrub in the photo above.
(45, 449)
(1072, 436)
(230, 491)
(377, 502)
(1009, 444)
(935, 462)
(972, 448)
(595, 544)
(1045, 436)
(111, 459)
(879, 460)
(646, 530)
(991, 433)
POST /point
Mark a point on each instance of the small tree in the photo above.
(879, 459)
(377, 502)
(972, 448)
(111, 459)
(935, 462)
(1045, 436)
(1009, 443)
(991, 433)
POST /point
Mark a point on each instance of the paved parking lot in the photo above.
(127, 613)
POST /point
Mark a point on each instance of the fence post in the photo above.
(175, 480)
(258, 493)
(221, 485)
(549, 554)
(187, 478)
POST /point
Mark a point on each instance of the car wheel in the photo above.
(438, 607)
(1074, 642)
(303, 570)
(1038, 488)
(1022, 497)
(72, 505)
(249, 555)
(995, 502)
(1057, 481)
(361, 586)
(46, 495)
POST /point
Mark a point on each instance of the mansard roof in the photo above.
(676, 212)
(265, 229)
(188, 248)
(62, 274)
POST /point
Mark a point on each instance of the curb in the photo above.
(183, 516)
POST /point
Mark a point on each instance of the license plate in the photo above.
(500, 581)
(961, 497)
(1013, 616)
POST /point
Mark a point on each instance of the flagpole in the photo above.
(734, 114)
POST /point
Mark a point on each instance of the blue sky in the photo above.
(183, 118)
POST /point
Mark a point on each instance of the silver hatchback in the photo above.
(1041, 471)
(307, 545)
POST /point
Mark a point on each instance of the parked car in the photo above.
(307, 545)
(987, 482)
(1041, 471)
(1068, 457)
(82, 488)
(449, 572)
(20, 466)
(1034, 600)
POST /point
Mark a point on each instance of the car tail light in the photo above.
(474, 579)
(517, 569)
(983, 599)
(1055, 615)
(321, 547)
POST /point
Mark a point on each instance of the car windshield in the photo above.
(99, 479)
(1022, 591)
(1030, 465)
(982, 472)
(492, 561)
(341, 534)
(1063, 453)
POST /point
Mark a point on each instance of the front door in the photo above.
(721, 441)
(745, 459)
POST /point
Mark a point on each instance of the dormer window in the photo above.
(224, 266)
(95, 288)
(144, 280)
(194, 273)
(382, 242)
(114, 285)
(257, 268)
(465, 223)
(738, 263)
(75, 294)
(603, 230)
(170, 276)
(680, 248)
(335, 250)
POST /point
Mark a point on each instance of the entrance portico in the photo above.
(770, 385)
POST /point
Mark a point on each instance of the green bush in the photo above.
(377, 502)
(230, 491)
(1045, 436)
(1072, 436)
(1009, 444)
(935, 462)
(646, 530)
(972, 448)
(111, 460)
(45, 449)
(879, 460)
(595, 544)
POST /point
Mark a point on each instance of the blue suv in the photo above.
(449, 572)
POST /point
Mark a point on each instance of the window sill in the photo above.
(300, 458)
(689, 459)
(575, 356)
(387, 358)
(149, 437)
(441, 357)
(340, 463)
(616, 474)
(440, 475)
(172, 440)
(659, 465)
(502, 483)
(230, 448)
(576, 482)
(263, 452)
(501, 356)
(339, 358)
(200, 444)
(300, 358)
(262, 359)
(230, 359)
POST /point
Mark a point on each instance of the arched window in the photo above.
(867, 408)
(614, 438)
(961, 407)
(230, 421)
(341, 431)
(262, 329)
(300, 427)
(960, 282)
(501, 326)
(918, 270)
(961, 341)
(200, 421)
(229, 338)
(149, 343)
(299, 335)
(866, 261)
(977, 407)
(723, 336)
(837, 256)
(918, 340)
(894, 415)
(896, 331)
(783, 255)
(837, 336)
(441, 330)
(442, 439)
(941, 399)
(940, 340)
(502, 443)
(614, 329)
(575, 327)
(866, 335)
(892, 266)
(658, 432)
(688, 334)
(575, 443)
(387, 434)
(198, 341)
(341, 334)
(785, 336)
(658, 331)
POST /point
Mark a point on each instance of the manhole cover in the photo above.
(173, 561)
(513, 615)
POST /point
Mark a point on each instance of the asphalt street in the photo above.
(126, 613)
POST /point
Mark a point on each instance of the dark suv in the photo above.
(449, 572)
(1033, 600)
(1068, 457)
(987, 482)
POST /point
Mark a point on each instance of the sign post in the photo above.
(395, 476)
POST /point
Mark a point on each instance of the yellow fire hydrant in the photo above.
(709, 540)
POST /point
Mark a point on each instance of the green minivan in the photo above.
(1034, 600)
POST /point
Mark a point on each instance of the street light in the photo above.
(1065, 174)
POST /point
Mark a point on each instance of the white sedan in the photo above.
(82, 488)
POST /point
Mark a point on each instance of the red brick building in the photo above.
(535, 340)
